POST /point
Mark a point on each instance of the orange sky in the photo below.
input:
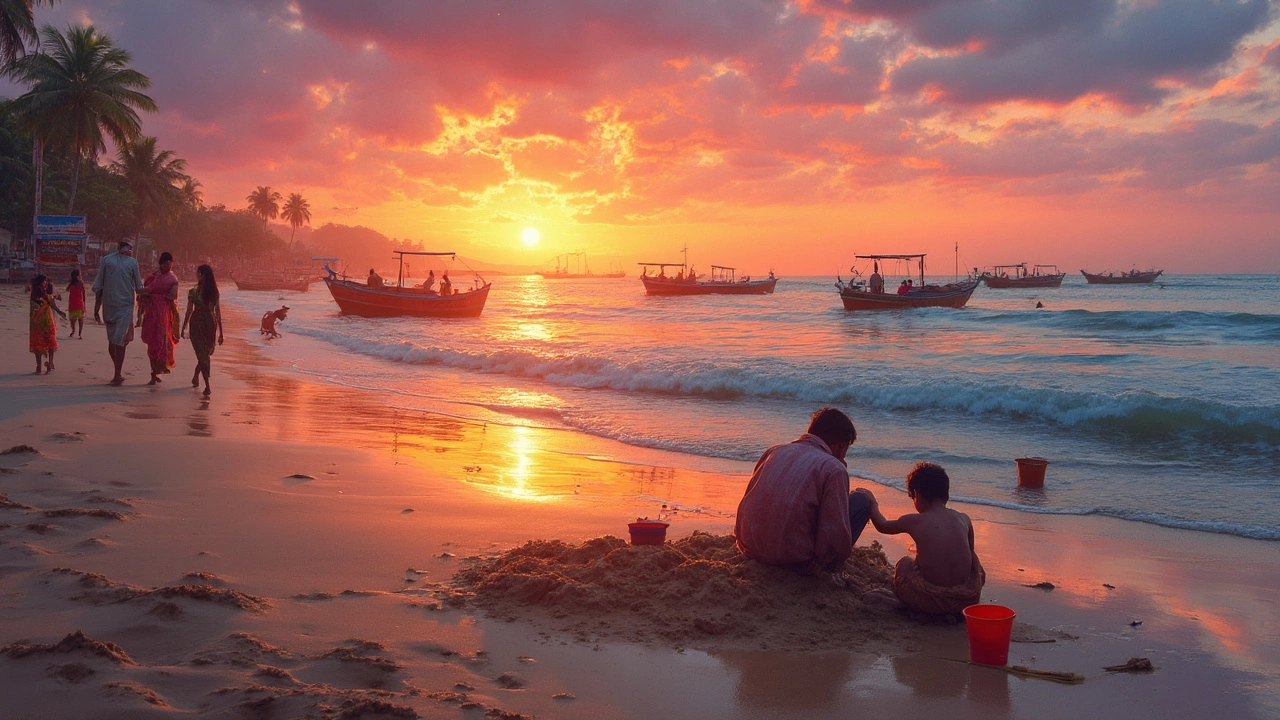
(1102, 134)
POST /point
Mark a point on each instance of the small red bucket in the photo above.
(648, 532)
(1031, 472)
(990, 628)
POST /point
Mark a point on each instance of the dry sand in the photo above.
(289, 549)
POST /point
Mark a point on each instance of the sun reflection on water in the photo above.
(517, 480)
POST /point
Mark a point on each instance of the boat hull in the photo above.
(1030, 281)
(655, 286)
(357, 299)
(859, 300)
(273, 285)
(1134, 279)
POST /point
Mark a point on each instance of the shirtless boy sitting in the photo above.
(945, 576)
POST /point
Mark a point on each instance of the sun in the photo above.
(530, 236)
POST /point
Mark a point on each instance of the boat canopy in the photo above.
(662, 265)
(917, 257)
(325, 259)
(417, 252)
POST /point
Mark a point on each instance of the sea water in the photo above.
(1153, 403)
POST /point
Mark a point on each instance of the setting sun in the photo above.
(530, 236)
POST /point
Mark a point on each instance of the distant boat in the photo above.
(859, 296)
(1124, 278)
(582, 270)
(1019, 276)
(723, 281)
(273, 284)
(358, 298)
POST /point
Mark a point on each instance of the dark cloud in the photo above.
(1097, 47)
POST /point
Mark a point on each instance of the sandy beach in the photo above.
(290, 548)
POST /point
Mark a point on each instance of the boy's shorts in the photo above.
(75, 314)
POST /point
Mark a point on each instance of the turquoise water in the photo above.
(1154, 403)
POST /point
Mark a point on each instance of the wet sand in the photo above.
(288, 547)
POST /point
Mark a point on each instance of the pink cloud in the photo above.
(646, 113)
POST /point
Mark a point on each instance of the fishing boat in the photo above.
(872, 294)
(273, 284)
(722, 281)
(1125, 278)
(365, 300)
(580, 269)
(1022, 276)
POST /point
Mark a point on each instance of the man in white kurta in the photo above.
(116, 289)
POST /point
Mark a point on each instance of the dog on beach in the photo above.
(269, 320)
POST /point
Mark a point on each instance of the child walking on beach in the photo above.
(945, 576)
(43, 332)
(75, 304)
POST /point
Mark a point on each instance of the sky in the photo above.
(1097, 134)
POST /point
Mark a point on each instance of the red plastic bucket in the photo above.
(1031, 472)
(989, 627)
(648, 532)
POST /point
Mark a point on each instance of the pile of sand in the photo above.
(695, 592)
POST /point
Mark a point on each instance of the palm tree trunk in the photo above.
(75, 180)
(37, 162)
(295, 232)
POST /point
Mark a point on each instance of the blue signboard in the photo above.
(60, 239)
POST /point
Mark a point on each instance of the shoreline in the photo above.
(393, 490)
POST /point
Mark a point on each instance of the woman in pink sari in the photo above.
(159, 307)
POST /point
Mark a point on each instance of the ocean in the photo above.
(1152, 403)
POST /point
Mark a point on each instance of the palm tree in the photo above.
(192, 197)
(80, 85)
(297, 212)
(154, 177)
(17, 28)
(265, 203)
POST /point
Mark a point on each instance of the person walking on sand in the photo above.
(43, 331)
(115, 289)
(204, 315)
(75, 304)
(797, 510)
(945, 576)
(159, 308)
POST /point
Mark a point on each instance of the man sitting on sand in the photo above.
(797, 510)
(945, 576)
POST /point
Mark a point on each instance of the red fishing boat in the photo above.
(1125, 278)
(872, 295)
(1020, 276)
(360, 298)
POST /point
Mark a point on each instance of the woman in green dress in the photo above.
(204, 316)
